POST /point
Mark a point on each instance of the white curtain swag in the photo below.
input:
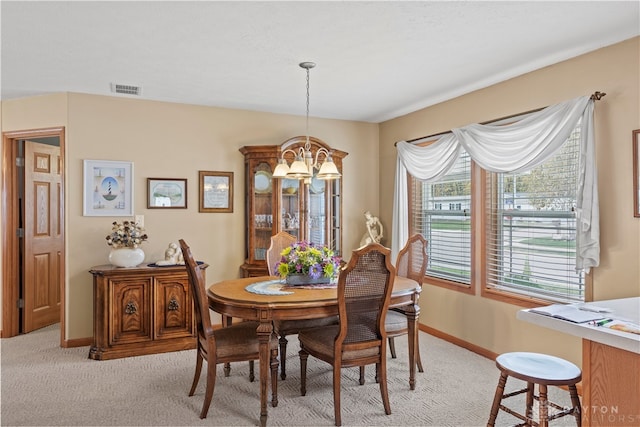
(512, 148)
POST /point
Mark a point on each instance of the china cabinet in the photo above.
(141, 310)
(308, 209)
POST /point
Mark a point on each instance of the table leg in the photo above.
(226, 322)
(412, 312)
(265, 329)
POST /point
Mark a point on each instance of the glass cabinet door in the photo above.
(290, 204)
(334, 212)
(324, 213)
(262, 211)
(318, 211)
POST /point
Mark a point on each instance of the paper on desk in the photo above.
(621, 325)
(568, 312)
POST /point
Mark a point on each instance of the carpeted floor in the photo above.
(43, 384)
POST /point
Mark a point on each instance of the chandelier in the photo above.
(304, 162)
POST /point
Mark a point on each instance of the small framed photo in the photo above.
(636, 172)
(107, 188)
(216, 191)
(166, 193)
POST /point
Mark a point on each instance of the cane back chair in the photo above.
(364, 291)
(411, 263)
(289, 327)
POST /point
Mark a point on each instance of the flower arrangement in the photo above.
(308, 259)
(127, 234)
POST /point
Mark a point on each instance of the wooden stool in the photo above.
(538, 369)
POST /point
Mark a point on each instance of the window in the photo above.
(531, 229)
(440, 211)
(526, 238)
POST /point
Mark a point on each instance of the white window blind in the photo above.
(531, 229)
(441, 212)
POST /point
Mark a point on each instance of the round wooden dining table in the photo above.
(230, 298)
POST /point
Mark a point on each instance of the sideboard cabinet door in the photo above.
(174, 310)
(131, 307)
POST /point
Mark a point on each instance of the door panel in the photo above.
(43, 242)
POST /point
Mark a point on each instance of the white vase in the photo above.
(126, 257)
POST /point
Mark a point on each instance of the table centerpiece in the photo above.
(305, 263)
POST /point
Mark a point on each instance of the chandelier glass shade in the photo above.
(304, 161)
(304, 164)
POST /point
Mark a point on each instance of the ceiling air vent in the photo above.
(126, 89)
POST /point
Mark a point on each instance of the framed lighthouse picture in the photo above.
(108, 188)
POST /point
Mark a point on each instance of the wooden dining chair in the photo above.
(289, 327)
(235, 343)
(364, 291)
(412, 263)
(278, 243)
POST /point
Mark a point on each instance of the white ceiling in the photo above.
(375, 60)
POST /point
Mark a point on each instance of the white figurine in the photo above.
(172, 256)
(374, 232)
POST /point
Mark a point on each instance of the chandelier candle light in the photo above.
(304, 162)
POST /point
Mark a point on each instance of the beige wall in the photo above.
(176, 141)
(614, 70)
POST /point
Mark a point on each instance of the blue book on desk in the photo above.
(568, 312)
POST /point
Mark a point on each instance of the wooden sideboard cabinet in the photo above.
(141, 310)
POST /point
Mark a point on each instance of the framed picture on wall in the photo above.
(216, 191)
(166, 193)
(636, 172)
(108, 188)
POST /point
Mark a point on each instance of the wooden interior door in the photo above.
(43, 238)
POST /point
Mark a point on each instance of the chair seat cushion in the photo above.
(238, 339)
(291, 327)
(395, 322)
(321, 341)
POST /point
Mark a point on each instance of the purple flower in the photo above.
(315, 271)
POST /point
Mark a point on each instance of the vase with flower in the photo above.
(125, 240)
(305, 263)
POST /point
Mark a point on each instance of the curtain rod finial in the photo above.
(597, 96)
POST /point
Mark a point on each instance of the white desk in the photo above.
(610, 364)
(623, 309)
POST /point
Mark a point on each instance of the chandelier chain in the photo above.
(307, 144)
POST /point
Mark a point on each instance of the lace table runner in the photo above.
(268, 287)
(278, 286)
